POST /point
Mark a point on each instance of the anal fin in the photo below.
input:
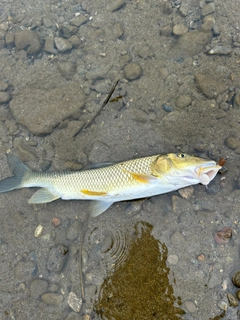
(98, 207)
(43, 195)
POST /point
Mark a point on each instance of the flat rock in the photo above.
(62, 44)
(183, 101)
(209, 86)
(132, 71)
(191, 43)
(27, 40)
(34, 108)
(52, 298)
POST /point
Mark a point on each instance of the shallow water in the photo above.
(173, 95)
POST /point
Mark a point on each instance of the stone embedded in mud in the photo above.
(223, 236)
(209, 86)
(236, 279)
(62, 44)
(232, 143)
(57, 257)
(27, 40)
(238, 294)
(52, 298)
(34, 108)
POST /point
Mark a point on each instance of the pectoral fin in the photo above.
(43, 196)
(142, 178)
(98, 207)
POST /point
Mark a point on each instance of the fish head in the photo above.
(182, 169)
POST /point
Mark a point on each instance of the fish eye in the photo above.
(181, 155)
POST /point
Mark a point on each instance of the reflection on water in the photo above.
(139, 288)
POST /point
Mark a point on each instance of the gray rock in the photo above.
(75, 41)
(27, 40)
(74, 230)
(209, 86)
(38, 287)
(191, 43)
(4, 97)
(116, 5)
(208, 8)
(79, 20)
(52, 298)
(62, 44)
(190, 306)
(57, 257)
(39, 120)
(232, 143)
(179, 29)
(183, 101)
(67, 69)
(117, 30)
(24, 270)
(67, 30)
(236, 102)
(221, 50)
(132, 71)
(208, 23)
(49, 45)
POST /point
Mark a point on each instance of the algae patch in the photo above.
(139, 288)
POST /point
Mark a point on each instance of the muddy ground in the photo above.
(177, 63)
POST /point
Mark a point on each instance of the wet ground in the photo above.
(178, 65)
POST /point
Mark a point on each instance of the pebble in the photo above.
(201, 257)
(172, 259)
(208, 8)
(67, 69)
(187, 192)
(214, 186)
(52, 298)
(232, 300)
(209, 86)
(79, 20)
(190, 306)
(67, 30)
(38, 287)
(222, 305)
(57, 257)
(4, 97)
(236, 279)
(49, 45)
(223, 236)
(75, 41)
(221, 50)
(232, 143)
(27, 39)
(132, 71)
(117, 30)
(56, 222)
(236, 102)
(74, 302)
(116, 5)
(238, 294)
(183, 101)
(38, 231)
(215, 280)
(208, 23)
(62, 44)
(177, 239)
(74, 230)
(180, 29)
(25, 270)
(167, 108)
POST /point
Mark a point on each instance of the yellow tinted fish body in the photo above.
(137, 178)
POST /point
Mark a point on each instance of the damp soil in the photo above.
(177, 67)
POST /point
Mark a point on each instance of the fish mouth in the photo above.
(207, 172)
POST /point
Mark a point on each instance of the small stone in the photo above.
(4, 97)
(201, 257)
(223, 236)
(27, 40)
(74, 302)
(67, 30)
(56, 222)
(190, 306)
(57, 257)
(183, 101)
(38, 231)
(74, 230)
(236, 279)
(180, 29)
(220, 50)
(67, 69)
(116, 5)
(117, 30)
(232, 143)
(222, 305)
(38, 287)
(62, 44)
(132, 71)
(209, 86)
(72, 165)
(187, 192)
(172, 259)
(236, 102)
(79, 20)
(208, 23)
(208, 8)
(167, 108)
(49, 45)
(238, 294)
(75, 41)
(52, 298)
(232, 300)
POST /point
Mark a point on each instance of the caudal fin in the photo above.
(18, 169)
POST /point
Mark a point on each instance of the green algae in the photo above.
(139, 288)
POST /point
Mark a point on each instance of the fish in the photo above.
(133, 179)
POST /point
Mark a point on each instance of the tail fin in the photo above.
(18, 169)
